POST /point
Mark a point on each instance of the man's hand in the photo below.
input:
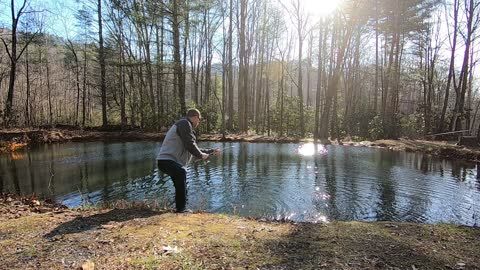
(205, 156)
(216, 151)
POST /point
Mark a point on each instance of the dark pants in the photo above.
(179, 178)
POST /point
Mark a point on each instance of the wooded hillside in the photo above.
(371, 69)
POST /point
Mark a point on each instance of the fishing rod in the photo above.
(222, 149)
(219, 150)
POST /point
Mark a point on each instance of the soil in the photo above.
(41, 235)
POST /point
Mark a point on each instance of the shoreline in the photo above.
(13, 140)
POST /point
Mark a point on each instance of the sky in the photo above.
(59, 19)
(58, 15)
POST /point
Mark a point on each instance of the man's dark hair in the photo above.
(193, 112)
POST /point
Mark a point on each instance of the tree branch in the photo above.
(26, 45)
(20, 11)
(6, 48)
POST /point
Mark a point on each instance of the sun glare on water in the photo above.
(309, 149)
(321, 8)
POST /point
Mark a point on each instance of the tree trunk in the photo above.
(84, 88)
(27, 98)
(179, 79)
(375, 95)
(123, 86)
(459, 111)
(159, 109)
(230, 68)
(242, 76)
(13, 62)
(300, 79)
(309, 67)
(101, 59)
(334, 78)
(49, 88)
(319, 80)
(258, 98)
(185, 43)
(451, 70)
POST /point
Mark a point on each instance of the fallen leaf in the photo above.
(168, 249)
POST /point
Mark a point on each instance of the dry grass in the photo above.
(141, 238)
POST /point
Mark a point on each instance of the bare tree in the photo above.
(472, 16)
(14, 55)
(243, 70)
(101, 60)
(300, 19)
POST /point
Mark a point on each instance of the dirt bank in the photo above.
(14, 139)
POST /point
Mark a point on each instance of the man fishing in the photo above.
(176, 151)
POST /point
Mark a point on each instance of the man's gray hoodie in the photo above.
(180, 143)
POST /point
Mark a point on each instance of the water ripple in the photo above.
(273, 181)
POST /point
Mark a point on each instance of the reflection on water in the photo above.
(278, 181)
(310, 149)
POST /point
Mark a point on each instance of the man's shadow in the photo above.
(81, 224)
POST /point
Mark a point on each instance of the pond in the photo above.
(262, 180)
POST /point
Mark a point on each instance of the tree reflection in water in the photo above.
(307, 182)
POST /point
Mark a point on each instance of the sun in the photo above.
(321, 8)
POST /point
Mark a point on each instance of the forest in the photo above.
(370, 69)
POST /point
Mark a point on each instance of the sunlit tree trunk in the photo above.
(101, 59)
(334, 78)
(123, 87)
(459, 110)
(320, 70)
(27, 98)
(179, 78)
(243, 75)
(375, 96)
(451, 69)
(230, 68)
(301, 22)
(258, 99)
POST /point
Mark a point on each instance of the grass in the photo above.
(142, 238)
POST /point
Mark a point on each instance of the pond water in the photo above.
(263, 180)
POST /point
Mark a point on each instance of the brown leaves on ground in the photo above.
(13, 206)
